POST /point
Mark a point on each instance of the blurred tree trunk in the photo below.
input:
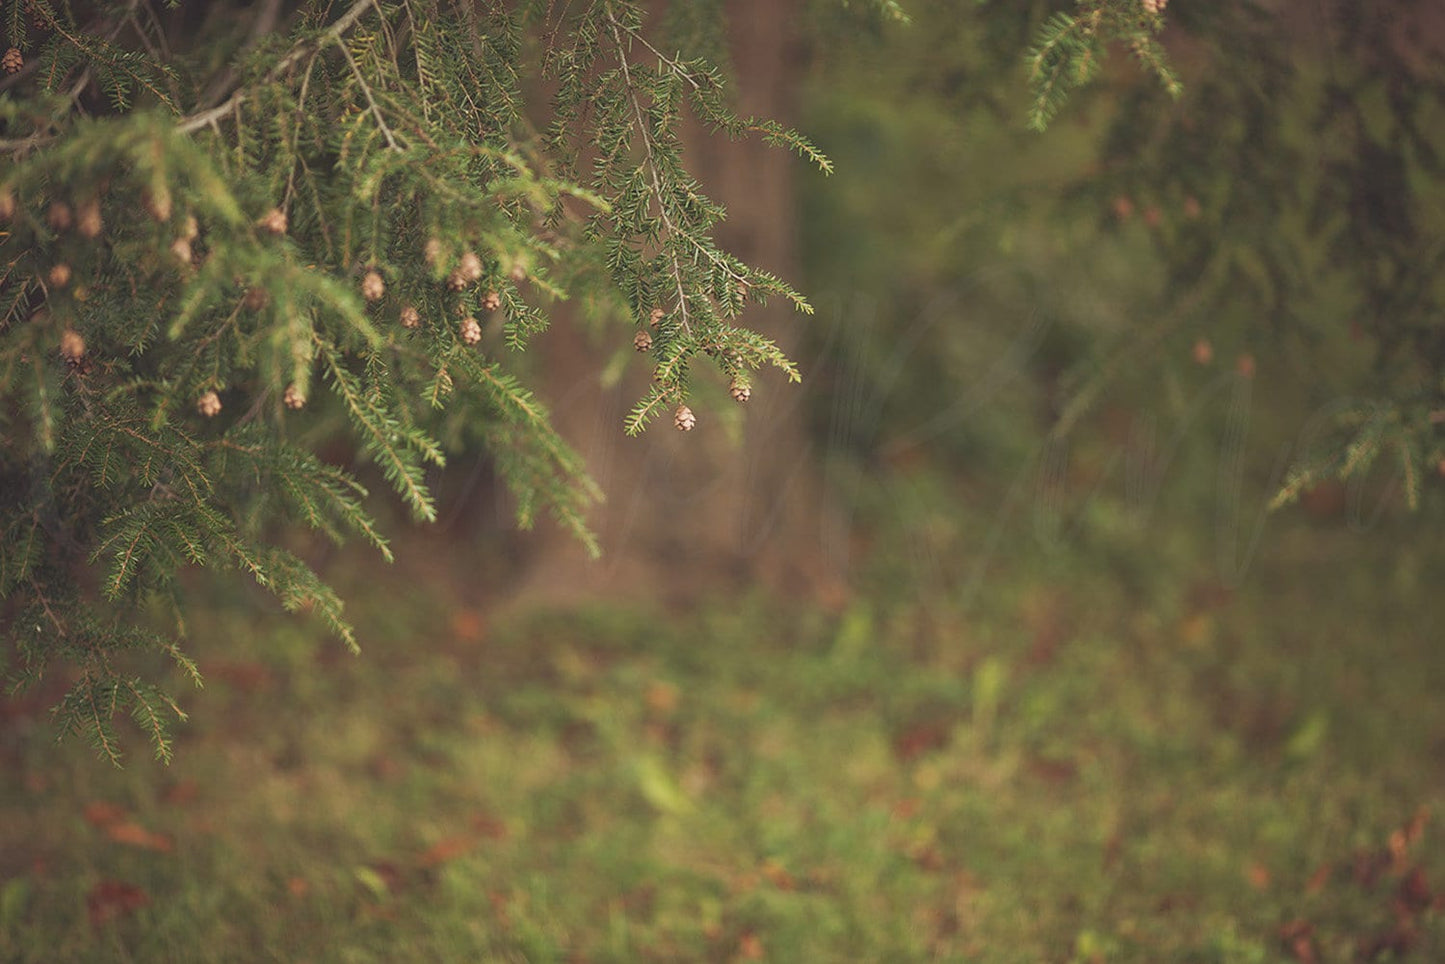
(706, 511)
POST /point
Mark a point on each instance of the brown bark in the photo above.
(695, 513)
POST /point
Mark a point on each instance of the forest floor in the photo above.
(1088, 760)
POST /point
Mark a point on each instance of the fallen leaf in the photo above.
(750, 948)
(447, 849)
(906, 808)
(489, 826)
(1053, 771)
(111, 899)
(182, 793)
(922, 738)
(1298, 937)
(102, 814)
(1258, 876)
(662, 697)
(1414, 892)
(1319, 879)
(468, 626)
(777, 875)
(135, 835)
(297, 886)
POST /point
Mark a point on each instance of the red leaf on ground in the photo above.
(662, 697)
(489, 826)
(111, 899)
(778, 875)
(448, 848)
(1052, 771)
(906, 808)
(1258, 876)
(181, 794)
(100, 813)
(468, 626)
(1414, 893)
(1298, 937)
(137, 836)
(922, 738)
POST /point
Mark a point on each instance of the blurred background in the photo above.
(983, 644)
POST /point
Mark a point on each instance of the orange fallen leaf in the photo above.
(489, 826)
(111, 899)
(1258, 876)
(101, 813)
(297, 886)
(182, 793)
(750, 948)
(446, 849)
(662, 697)
(906, 808)
(468, 626)
(135, 835)
(778, 875)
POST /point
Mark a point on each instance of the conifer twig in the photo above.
(652, 169)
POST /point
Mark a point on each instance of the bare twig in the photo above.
(333, 33)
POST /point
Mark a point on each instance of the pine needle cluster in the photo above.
(230, 233)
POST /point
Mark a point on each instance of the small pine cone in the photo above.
(433, 251)
(59, 216)
(491, 301)
(519, 273)
(255, 298)
(181, 251)
(72, 346)
(372, 287)
(158, 205)
(190, 230)
(273, 221)
(468, 270)
(12, 61)
(740, 391)
(292, 398)
(683, 419)
(642, 341)
(59, 275)
(88, 222)
(471, 331)
(410, 318)
(470, 267)
(656, 317)
(209, 404)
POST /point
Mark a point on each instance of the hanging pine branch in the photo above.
(202, 264)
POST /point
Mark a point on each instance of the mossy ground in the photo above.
(1077, 762)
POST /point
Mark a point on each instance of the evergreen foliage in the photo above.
(231, 233)
(1302, 174)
